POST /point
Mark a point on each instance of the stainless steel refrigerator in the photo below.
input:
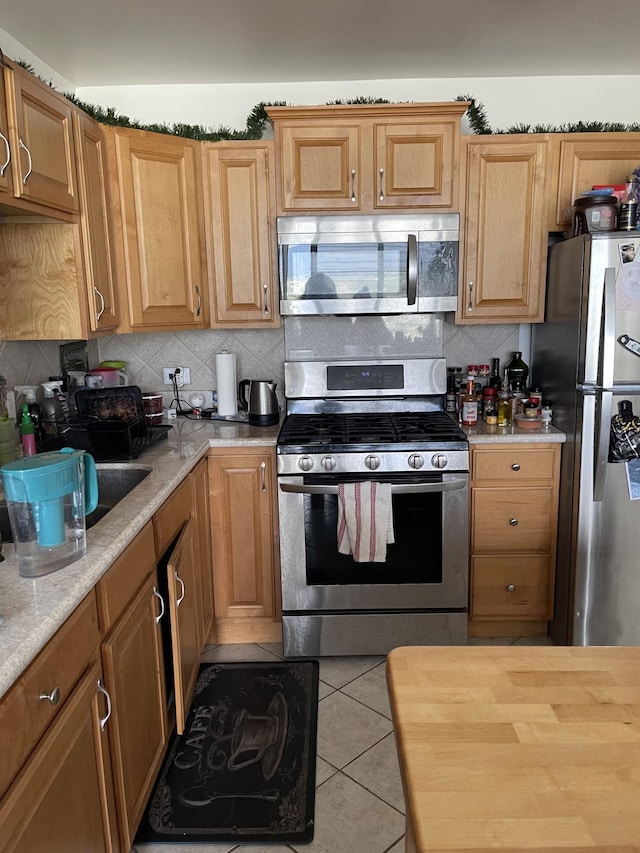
(583, 358)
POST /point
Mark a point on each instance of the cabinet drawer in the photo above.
(118, 587)
(510, 587)
(23, 715)
(513, 465)
(511, 519)
(172, 516)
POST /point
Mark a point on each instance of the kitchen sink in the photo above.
(115, 482)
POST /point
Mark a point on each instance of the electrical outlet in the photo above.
(182, 378)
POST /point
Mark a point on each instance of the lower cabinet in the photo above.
(200, 494)
(244, 535)
(62, 795)
(514, 508)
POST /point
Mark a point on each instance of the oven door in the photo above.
(426, 566)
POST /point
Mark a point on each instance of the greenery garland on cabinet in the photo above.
(258, 119)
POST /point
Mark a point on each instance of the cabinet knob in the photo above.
(7, 149)
(104, 720)
(513, 522)
(265, 289)
(53, 696)
(353, 185)
(511, 587)
(470, 305)
(515, 466)
(381, 192)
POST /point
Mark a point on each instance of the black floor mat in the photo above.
(244, 769)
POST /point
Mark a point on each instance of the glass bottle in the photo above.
(516, 372)
(504, 405)
(628, 214)
(451, 400)
(494, 376)
(469, 404)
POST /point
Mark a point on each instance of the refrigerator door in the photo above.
(612, 296)
(606, 603)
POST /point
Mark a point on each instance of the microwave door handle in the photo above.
(409, 488)
(412, 269)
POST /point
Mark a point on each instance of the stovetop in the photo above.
(359, 432)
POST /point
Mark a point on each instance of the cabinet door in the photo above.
(505, 242)
(581, 160)
(40, 121)
(415, 164)
(200, 483)
(242, 519)
(163, 259)
(183, 608)
(134, 674)
(240, 192)
(94, 222)
(63, 799)
(320, 167)
(6, 184)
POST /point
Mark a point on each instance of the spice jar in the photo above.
(530, 409)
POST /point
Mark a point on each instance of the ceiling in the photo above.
(137, 42)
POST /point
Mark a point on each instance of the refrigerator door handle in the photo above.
(604, 401)
(608, 328)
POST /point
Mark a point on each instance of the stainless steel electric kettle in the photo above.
(261, 402)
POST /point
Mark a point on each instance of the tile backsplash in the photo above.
(260, 353)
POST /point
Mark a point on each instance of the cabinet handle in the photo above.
(3, 168)
(511, 587)
(513, 522)
(265, 288)
(515, 466)
(101, 311)
(181, 582)
(470, 305)
(157, 594)
(353, 185)
(381, 194)
(199, 308)
(263, 476)
(25, 177)
(53, 696)
(105, 692)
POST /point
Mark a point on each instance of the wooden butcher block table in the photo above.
(518, 748)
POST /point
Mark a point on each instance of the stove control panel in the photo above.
(364, 463)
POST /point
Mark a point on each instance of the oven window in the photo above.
(414, 557)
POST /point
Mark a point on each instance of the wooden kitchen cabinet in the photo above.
(55, 727)
(157, 210)
(240, 216)
(130, 608)
(43, 161)
(6, 173)
(200, 485)
(367, 158)
(504, 239)
(580, 160)
(244, 535)
(514, 508)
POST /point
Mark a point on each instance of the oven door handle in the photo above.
(408, 489)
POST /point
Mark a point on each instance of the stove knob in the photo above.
(305, 463)
(328, 463)
(416, 461)
(372, 462)
(439, 460)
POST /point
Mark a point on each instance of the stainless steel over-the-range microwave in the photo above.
(387, 264)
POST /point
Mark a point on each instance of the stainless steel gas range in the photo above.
(382, 421)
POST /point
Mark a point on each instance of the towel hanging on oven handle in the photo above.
(409, 488)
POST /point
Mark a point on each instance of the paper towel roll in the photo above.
(227, 385)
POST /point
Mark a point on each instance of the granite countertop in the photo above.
(485, 434)
(34, 608)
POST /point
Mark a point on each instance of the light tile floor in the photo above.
(359, 800)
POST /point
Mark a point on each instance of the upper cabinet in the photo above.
(367, 158)
(582, 160)
(94, 222)
(240, 217)
(504, 242)
(41, 145)
(159, 223)
(6, 184)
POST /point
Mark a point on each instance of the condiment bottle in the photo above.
(469, 404)
(628, 214)
(451, 400)
(27, 433)
(494, 376)
(504, 405)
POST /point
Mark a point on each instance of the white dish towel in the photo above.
(365, 520)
